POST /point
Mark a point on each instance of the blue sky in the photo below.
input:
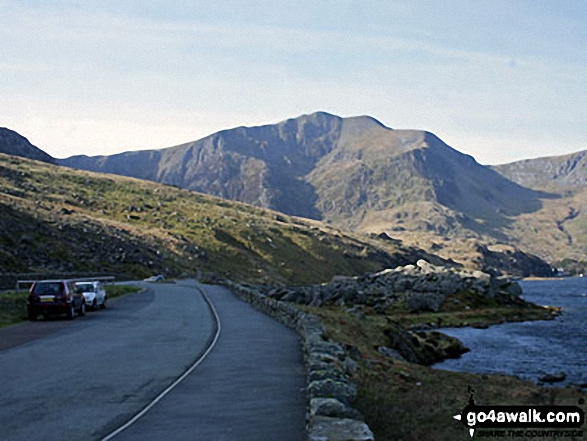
(500, 80)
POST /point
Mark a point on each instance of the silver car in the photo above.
(94, 294)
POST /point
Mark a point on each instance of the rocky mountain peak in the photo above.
(11, 143)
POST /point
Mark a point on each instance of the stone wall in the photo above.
(330, 390)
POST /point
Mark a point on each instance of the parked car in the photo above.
(94, 294)
(54, 297)
(154, 279)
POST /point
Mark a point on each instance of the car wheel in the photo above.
(103, 305)
(32, 316)
(82, 309)
(94, 305)
(71, 312)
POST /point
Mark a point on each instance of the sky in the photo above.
(501, 80)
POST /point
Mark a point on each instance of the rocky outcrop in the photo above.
(329, 369)
(422, 286)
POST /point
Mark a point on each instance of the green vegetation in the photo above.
(64, 220)
(13, 304)
(12, 307)
(408, 401)
(114, 291)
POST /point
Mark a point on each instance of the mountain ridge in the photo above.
(358, 174)
(561, 171)
(13, 143)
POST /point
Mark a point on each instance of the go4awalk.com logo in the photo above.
(522, 421)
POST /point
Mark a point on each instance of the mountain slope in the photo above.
(62, 220)
(558, 231)
(11, 143)
(354, 173)
(322, 166)
(554, 172)
(264, 166)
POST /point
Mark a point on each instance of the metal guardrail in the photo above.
(105, 279)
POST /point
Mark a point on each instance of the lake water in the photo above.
(531, 349)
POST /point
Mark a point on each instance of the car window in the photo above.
(85, 287)
(48, 289)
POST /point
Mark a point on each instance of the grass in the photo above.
(60, 219)
(406, 401)
(12, 307)
(114, 291)
(13, 304)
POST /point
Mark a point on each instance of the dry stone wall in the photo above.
(330, 391)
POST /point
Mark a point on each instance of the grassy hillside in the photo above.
(59, 219)
(357, 174)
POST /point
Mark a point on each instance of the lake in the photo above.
(531, 349)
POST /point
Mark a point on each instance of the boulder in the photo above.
(331, 407)
(336, 429)
(391, 353)
(343, 391)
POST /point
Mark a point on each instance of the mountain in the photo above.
(266, 166)
(321, 166)
(59, 220)
(11, 143)
(555, 172)
(355, 173)
(558, 231)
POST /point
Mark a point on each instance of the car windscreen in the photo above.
(84, 287)
(48, 289)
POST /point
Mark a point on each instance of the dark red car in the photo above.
(54, 297)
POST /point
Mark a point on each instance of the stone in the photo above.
(343, 391)
(336, 429)
(391, 353)
(331, 407)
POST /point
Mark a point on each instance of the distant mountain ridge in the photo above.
(322, 166)
(11, 143)
(565, 171)
(353, 172)
(360, 175)
(265, 166)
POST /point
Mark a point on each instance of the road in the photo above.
(84, 379)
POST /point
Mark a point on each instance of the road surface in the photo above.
(85, 379)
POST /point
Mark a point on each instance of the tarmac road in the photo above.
(84, 379)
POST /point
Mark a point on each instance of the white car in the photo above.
(94, 294)
(154, 279)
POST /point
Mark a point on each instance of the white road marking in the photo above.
(180, 379)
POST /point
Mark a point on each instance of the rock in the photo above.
(335, 429)
(423, 285)
(391, 353)
(343, 391)
(331, 407)
(440, 346)
(407, 345)
(388, 238)
(425, 266)
(425, 301)
(553, 378)
(511, 289)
